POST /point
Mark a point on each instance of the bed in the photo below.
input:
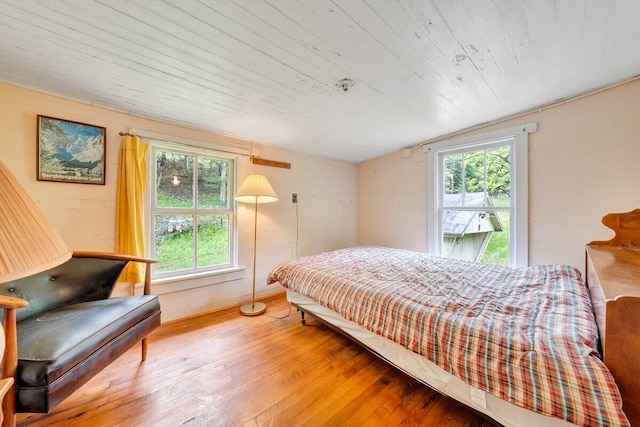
(521, 346)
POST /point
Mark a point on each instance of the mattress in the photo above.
(527, 336)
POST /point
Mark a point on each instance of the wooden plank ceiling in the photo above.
(266, 70)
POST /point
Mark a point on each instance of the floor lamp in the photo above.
(255, 189)
(29, 244)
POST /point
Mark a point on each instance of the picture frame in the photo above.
(70, 151)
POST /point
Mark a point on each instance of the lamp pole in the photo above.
(255, 189)
(255, 308)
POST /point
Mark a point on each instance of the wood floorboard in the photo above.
(224, 369)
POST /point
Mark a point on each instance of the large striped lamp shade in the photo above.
(29, 243)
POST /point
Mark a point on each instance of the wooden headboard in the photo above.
(626, 227)
(613, 277)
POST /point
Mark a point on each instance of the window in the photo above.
(477, 197)
(192, 215)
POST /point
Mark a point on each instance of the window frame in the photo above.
(154, 147)
(517, 137)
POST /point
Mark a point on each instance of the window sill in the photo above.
(192, 281)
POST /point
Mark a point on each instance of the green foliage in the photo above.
(465, 172)
(175, 176)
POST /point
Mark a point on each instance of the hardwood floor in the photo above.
(224, 369)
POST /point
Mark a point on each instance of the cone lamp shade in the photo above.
(29, 243)
(255, 189)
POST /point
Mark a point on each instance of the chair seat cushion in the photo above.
(51, 344)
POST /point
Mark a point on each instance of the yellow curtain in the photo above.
(132, 184)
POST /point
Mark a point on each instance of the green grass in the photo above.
(497, 251)
(213, 245)
(208, 201)
(175, 252)
(166, 200)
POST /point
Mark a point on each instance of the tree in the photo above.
(465, 172)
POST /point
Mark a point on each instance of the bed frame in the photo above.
(613, 276)
(303, 311)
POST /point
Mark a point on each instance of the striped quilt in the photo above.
(526, 335)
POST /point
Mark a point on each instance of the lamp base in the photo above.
(253, 309)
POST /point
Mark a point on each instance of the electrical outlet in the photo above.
(294, 198)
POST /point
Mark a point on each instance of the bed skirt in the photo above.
(427, 372)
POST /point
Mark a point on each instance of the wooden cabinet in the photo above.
(613, 277)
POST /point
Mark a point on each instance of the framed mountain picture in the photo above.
(70, 151)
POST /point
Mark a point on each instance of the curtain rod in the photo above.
(192, 144)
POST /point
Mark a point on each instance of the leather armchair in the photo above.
(71, 328)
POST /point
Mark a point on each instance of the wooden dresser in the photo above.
(613, 277)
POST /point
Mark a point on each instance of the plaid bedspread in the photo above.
(526, 335)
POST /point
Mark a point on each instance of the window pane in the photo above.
(173, 242)
(174, 180)
(212, 183)
(213, 240)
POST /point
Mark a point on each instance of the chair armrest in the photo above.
(109, 255)
(11, 303)
(122, 257)
(10, 361)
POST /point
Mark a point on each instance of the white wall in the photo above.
(584, 162)
(85, 214)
